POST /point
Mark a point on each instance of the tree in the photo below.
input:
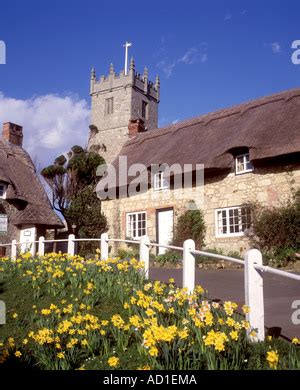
(85, 212)
(71, 180)
(190, 225)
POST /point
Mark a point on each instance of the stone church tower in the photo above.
(117, 100)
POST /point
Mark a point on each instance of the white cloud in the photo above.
(167, 68)
(195, 54)
(175, 121)
(190, 57)
(228, 16)
(276, 48)
(51, 123)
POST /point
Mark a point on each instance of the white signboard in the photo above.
(27, 238)
(3, 224)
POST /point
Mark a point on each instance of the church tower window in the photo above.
(145, 107)
(109, 106)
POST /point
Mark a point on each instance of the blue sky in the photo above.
(209, 55)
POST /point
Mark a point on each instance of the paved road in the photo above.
(279, 293)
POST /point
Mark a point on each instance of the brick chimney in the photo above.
(136, 126)
(12, 133)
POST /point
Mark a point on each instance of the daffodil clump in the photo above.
(105, 315)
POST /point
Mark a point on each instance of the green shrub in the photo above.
(127, 253)
(190, 225)
(256, 353)
(279, 258)
(170, 257)
(174, 257)
(277, 230)
(217, 251)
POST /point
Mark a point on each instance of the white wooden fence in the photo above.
(252, 263)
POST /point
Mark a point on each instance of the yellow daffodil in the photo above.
(246, 309)
(153, 351)
(113, 361)
(84, 342)
(183, 334)
(273, 359)
(234, 335)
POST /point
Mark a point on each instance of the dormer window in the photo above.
(160, 181)
(3, 190)
(243, 164)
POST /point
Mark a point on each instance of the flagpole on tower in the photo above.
(127, 45)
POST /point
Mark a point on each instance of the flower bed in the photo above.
(70, 313)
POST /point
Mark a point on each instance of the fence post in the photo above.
(104, 246)
(144, 254)
(2, 313)
(41, 248)
(71, 245)
(254, 294)
(188, 265)
(14, 250)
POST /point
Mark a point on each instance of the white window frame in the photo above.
(4, 216)
(129, 229)
(159, 182)
(4, 188)
(246, 160)
(217, 220)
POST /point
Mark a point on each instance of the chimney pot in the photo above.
(135, 126)
(12, 133)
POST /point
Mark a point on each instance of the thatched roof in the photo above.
(269, 127)
(24, 188)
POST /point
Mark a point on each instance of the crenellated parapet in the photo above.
(133, 79)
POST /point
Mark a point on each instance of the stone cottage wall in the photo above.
(269, 187)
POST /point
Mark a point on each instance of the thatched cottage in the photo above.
(25, 210)
(250, 153)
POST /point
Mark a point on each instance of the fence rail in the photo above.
(252, 263)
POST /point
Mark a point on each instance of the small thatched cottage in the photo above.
(25, 210)
(250, 153)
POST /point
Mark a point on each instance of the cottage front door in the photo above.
(165, 219)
